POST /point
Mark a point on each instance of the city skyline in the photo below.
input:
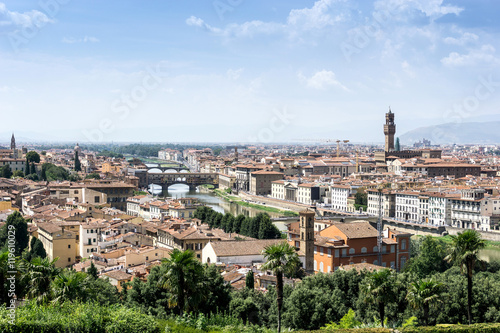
(236, 71)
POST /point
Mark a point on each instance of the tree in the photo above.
(33, 156)
(423, 293)
(267, 230)
(182, 279)
(93, 175)
(27, 169)
(69, 286)
(18, 224)
(33, 168)
(78, 166)
(92, 271)
(280, 258)
(397, 147)
(427, 256)
(464, 252)
(18, 173)
(35, 250)
(249, 281)
(5, 171)
(37, 277)
(238, 221)
(377, 288)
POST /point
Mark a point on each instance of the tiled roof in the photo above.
(361, 229)
(242, 248)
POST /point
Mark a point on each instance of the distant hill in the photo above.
(460, 133)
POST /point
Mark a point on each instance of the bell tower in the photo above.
(389, 131)
(306, 228)
(12, 142)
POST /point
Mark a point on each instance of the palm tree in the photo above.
(464, 252)
(37, 276)
(423, 293)
(378, 288)
(69, 286)
(183, 280)
(281, 258)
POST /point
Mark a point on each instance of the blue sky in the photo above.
(239, 70)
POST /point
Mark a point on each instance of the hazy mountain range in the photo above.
(460, 133)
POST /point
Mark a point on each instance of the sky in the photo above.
(244, 71)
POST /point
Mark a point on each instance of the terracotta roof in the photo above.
(357, 229)
(242, 248)
(119, 275)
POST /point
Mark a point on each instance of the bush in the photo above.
(77, 317)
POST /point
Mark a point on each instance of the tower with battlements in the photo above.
(389, 131)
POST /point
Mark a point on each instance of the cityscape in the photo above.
(236, 167)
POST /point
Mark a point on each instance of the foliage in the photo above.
(249, 280)
(361, 198)
(464, 253)
(78, 165)
(77, 317)
(377, 287)
(18, 173)
(347, 321)
(33, 156)
(183, 281)
(107, 153)
(280, 258)
(52, 172)
(5, 171)
(427, 256)
(92, 271)
(424, 293)
(17, 227)
(259, 226)
(93, 175)
(35, 250)
(140, 193)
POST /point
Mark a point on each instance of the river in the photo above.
(215, 202)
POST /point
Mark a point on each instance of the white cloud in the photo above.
(14, 21)
(10, 89)
(316, 17)
(465, 38)
(433, 9)
(322, 80)
(486, 54)
(86, 39)
(234, 74)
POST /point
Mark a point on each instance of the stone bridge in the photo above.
(170, 178)
(178, 167)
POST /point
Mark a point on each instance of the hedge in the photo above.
(72, 317)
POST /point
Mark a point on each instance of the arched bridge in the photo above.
(166, 179)
(174, 166)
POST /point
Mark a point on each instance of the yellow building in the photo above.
(58, 242)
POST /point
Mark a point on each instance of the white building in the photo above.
(339, 195)
(90, 236)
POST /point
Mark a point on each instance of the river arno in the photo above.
(218, 204)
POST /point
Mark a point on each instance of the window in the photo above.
(403, 262)
(329, 253)
(321, 267)
(393, 248)
(375, 248)
(321, 250)
(147, 258)
(69, 246)
(384, 249)
(351, 250)
(329, 269)
(344, 252)
(315, 249)
(363, 250)
(336, 253)
(69, 259)
(403, 244)
(315, 265)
